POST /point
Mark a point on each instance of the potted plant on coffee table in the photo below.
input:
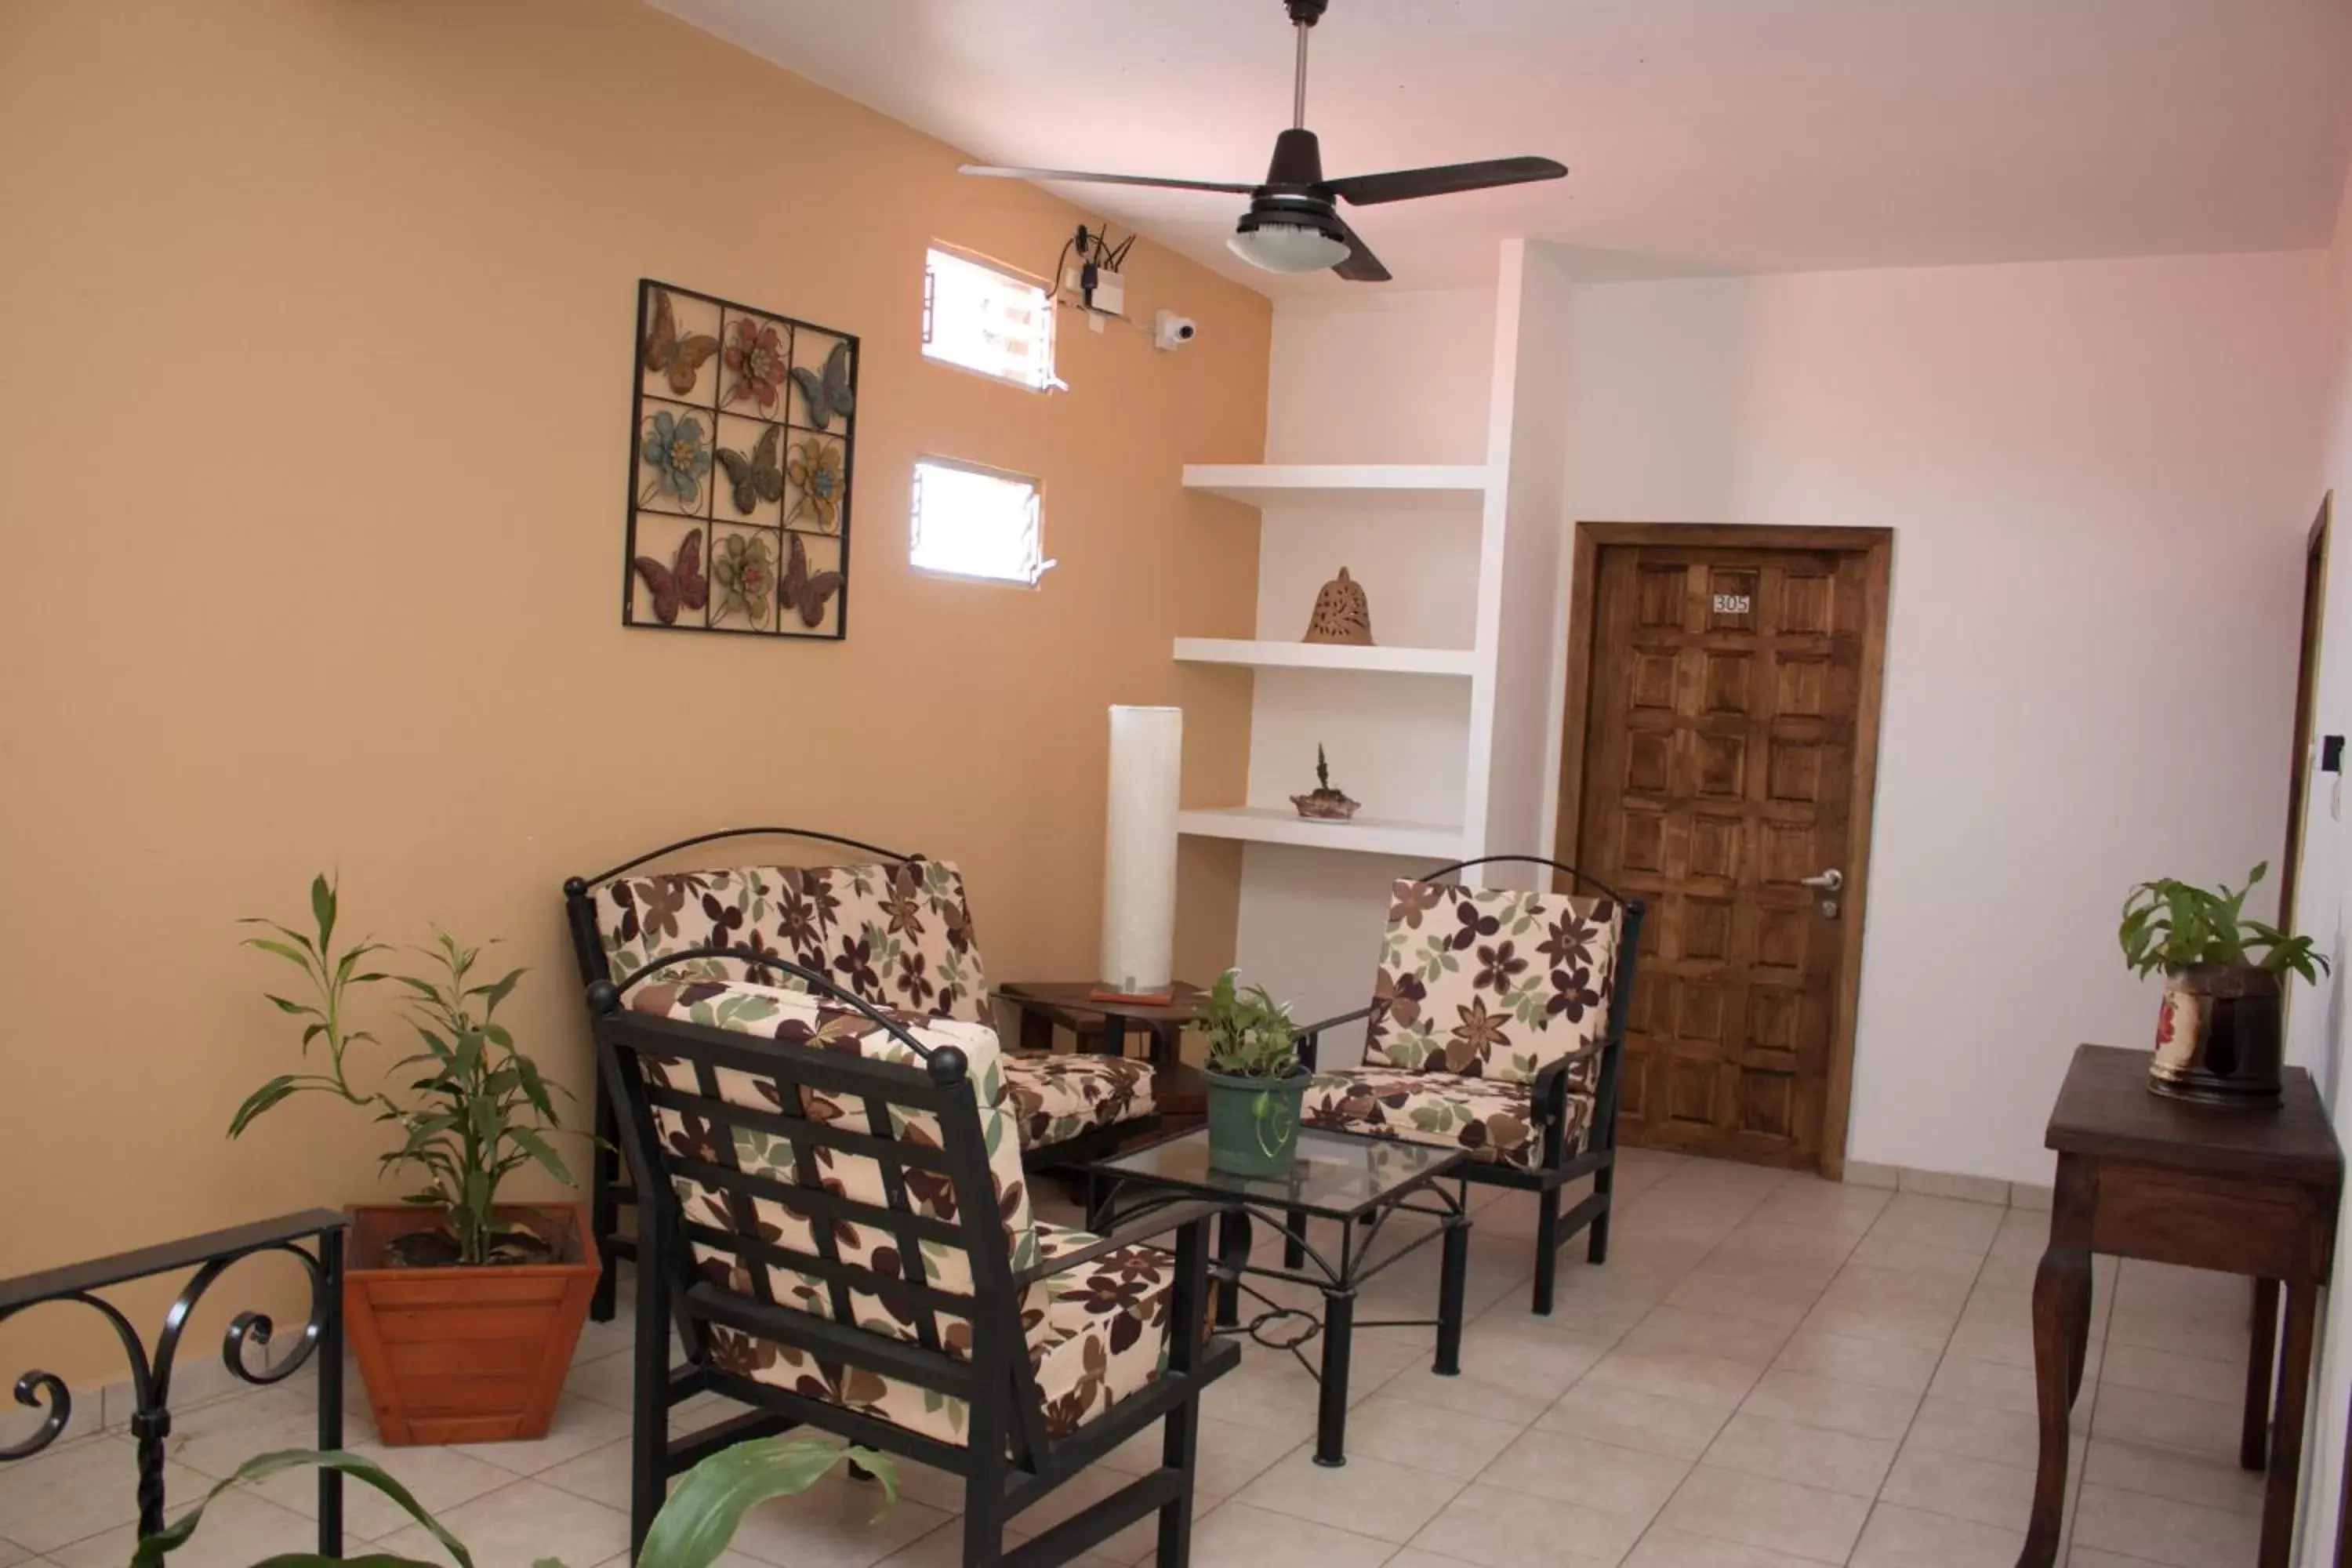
(462, 1310)
(2218, 1029)
(1255, 1080)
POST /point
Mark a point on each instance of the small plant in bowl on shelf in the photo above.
(1256, 1079)
(476, 1112)
(2218, 1029)
(1323, 803)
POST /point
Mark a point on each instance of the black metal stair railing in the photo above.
(211, 1256)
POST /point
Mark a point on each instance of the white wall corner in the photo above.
(1527, 528)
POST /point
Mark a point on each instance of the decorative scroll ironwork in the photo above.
(211, 1256)
(1281, 1326)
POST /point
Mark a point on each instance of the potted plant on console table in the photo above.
(2219, 1031)
(1256, 1079)
(462, 1310)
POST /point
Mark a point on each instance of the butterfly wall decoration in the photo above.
(680, 586)
(678, 358)
(756, 478)
(828, 396)
(806, 591)
(739, 504)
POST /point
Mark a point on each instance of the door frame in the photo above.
(1876, 547)
(2307, 690)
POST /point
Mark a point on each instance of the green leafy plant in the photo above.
(1250, 1033)
(2170, 925)
(1322, 768)
(481, 1110)
(694, 1527)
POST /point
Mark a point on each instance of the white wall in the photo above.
(2318, 1024)
(1520, 605)
(2099, 475)
(1390, 377)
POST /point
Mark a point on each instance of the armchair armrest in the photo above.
(1309, 1037)
(1551, 1071)
(1159, 1222)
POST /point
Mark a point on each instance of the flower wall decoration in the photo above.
(674, 450)
(815, 472)
(743, 570)
(755, 352)
(704, 474)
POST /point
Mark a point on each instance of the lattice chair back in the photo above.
(856, 1172)
(896, 935)
(1493, 982)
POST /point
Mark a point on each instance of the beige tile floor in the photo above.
(1770, 1372)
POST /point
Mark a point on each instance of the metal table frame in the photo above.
(1339, 1278)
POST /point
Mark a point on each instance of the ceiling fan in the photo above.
(1293, 223)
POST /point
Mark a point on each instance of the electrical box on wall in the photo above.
(1098, 289)
(1110, 293)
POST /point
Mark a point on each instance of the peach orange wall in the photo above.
(313, 453)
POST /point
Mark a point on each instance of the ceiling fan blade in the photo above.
(1360, 264)
(1073, 174)
(1403, 185)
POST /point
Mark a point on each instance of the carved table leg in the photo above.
(2062, 1318)
(2253, 1439)
(2286, 1446)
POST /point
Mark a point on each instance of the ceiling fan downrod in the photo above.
(1303, 14)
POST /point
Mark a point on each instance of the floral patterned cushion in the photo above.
(894, 936)
(1106, 1331)
(1094, 1336)
(1491, 983)
(1055, 1097)
(1490, 1117)
(1102, 1336)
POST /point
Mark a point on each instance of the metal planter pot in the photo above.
(1254, 1122)
(2220, 1036)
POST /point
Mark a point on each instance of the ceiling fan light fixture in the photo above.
(1287, 248)
(1277, 246)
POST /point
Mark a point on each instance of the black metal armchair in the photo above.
(893, 930)
(833, 1211)
(1497, 1024)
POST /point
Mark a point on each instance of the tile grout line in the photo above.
(1651, 1523)
(1578, 1380)
(1943, 1352)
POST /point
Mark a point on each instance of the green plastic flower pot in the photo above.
(1254, 1122)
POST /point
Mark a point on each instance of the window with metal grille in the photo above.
(987, 319)
(974, 521)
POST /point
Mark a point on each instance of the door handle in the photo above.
(1825, 883)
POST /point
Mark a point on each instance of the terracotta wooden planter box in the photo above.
(466, 1354)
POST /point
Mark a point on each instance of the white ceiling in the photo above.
(1702, 136)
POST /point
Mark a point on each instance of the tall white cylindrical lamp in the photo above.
(1138, 925)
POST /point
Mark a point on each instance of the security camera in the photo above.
(1170, 331)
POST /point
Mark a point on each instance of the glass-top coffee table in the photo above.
(1360, 1183)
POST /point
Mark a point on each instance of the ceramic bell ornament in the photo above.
(1342, 614)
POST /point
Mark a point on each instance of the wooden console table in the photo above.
(2243, 1192)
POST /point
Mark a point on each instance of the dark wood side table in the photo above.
(2243, 1192)
(1104, 1027)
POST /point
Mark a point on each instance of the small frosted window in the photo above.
(986, 318)
(970, 521)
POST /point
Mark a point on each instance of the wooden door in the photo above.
(1724, 761)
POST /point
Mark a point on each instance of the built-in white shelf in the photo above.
(1327, 656)
(1358, 486)
(1366, 834)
